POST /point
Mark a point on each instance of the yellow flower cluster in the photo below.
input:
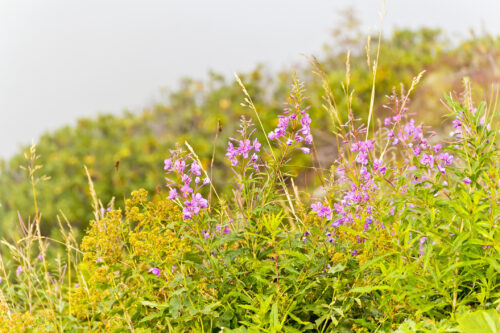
(18, 322)
(119, 251)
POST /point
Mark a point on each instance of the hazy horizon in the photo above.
(62, 60)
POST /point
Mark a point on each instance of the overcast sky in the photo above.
(61, 60)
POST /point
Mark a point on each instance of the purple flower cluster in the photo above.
(439, 161)
(297, 135)
(155, 271)
(329, 237)
(355, 201)
(321, 210)
(462, 125)
(220, 230)
(187, 185)
(362, 148)
(244, 148)
(421, 245)
(294, 125)
(412, 138)
(226, 230)
(457, 128)
(410, 135)
(356, 196)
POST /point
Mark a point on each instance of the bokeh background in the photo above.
(61, 60)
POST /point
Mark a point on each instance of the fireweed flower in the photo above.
(182, 186)
(179, 165)
(368, 221)
(355, 198)
(357, 177)
(377, 166)
(322, 211)
(362, 148)
(443, 159)
(168, 164)
(409, 135)
(328, 238)
(415, 143)
(155, 271)
(239, 150)
(199, 201)
(457, 126)
(195, 169)
(19, 270)
(421, 245)
(467, 180)
(358, 185)
(293, 128)
(427, 160)
(362, 158)
(186, 190)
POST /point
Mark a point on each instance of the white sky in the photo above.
(64, 59)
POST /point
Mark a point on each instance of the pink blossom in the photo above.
(155, 271)
(195, 169)
(427, 160)
(168, 164)
(172, 195)
(305, 150)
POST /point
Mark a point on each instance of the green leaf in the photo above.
(480, 321)
(368, 289)
(337, 268)
(151, 316)
(275, 324)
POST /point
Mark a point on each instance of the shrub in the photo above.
(404, 233)
(401, 236)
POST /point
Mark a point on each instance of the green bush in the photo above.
(403, 235)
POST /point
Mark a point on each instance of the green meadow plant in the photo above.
(401, 233)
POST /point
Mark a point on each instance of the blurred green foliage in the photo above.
(126, 152)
